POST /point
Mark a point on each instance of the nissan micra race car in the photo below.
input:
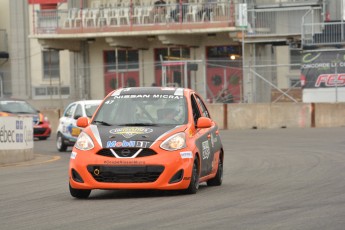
(147, 138)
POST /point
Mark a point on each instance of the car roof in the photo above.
(11, 99)
(87, 102)
(150, 90)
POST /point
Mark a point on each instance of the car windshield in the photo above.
(90, 109)
(142, 110)
(17, 107)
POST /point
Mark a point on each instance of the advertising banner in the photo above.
(324, 69)
(16, 133)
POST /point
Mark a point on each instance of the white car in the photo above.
(68, 131)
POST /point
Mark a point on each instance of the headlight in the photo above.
(177, 141)
(84, 142)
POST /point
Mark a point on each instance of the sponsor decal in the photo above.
(112, 144)
(330, 80)
(133, 96)
(205, 150)
(214, 139)
(186, 178)
(187, 154)
(129, 132)
(124, 143)
(124, 162)
(73, 155)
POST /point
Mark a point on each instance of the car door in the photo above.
(78, 112)
(202, 141)
(214, 130)
(213, 139)
(66, 121)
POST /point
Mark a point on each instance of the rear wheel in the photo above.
(218, 179)
(61, 146)
(79, 193)
(194, 180)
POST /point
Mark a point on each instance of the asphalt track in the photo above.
(273, 179)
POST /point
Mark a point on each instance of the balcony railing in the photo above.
(135, 18)
(277, 3)
(323, 34)
(283, 21)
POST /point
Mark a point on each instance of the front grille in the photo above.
(125, 174)
(125, 152)
(38, 131)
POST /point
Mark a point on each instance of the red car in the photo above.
(147, 138)
(41, 124)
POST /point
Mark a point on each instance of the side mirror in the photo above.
(83, 122)
(204, 122)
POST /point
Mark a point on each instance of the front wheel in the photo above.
(194, 180)
(79, 193)
(61, 146)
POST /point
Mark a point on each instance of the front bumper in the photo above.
(42, 130)
(165, 171)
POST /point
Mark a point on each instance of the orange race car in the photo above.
(147, 138)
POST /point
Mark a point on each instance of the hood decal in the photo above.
(129, 132)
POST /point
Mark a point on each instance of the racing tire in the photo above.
(79, 193)
(60, 143)
(218, 179)
(194, 180)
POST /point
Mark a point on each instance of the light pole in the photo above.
(336, 78)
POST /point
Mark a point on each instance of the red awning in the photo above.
(43, 2)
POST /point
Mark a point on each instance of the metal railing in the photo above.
(259, 3)
(278, 21)
(135, 16)
(323, 33)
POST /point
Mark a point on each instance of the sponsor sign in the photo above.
(16, 133)
(325, 69)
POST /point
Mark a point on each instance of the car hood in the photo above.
(132, 136)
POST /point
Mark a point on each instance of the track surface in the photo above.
(273, 179)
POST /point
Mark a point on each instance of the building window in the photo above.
(127, 60)
(295, 59)
(173, 54)
(51, 64)
(223, 56)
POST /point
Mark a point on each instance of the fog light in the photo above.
(76, 177)
(177, 177)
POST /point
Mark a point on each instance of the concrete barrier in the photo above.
(329, 114)
(16, 138)
(263, 115)
(18, 155)
(260, 116)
